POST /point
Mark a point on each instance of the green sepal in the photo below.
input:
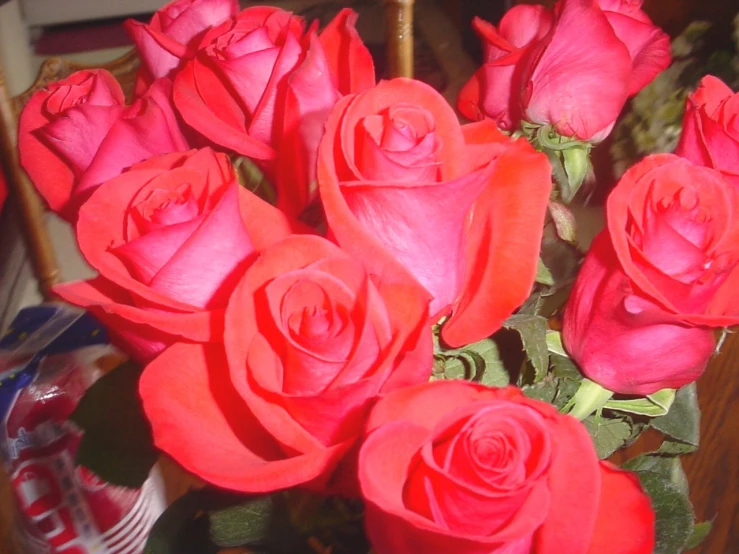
(589, 398)
(543, 275)
(252, 178)
(654, 405)
(577, 167)
(564, 222)
(117, 444)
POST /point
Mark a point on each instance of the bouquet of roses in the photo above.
(381, 335)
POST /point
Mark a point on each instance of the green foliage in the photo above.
(608, 434)
(181, 529)
(533, 332)
(653, 121)
(117, 444)
(682, 422)
(674, 525)
(543, 275)
(699, 534)
(258, 522)
(480, 362)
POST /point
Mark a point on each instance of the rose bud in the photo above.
(77, 134)
(710, 134)
(658, 279)
(263, 88)
(174, 31)
(572, 68)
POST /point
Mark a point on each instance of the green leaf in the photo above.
(682, 422)
(117, 444)
(172, 531)
(608, 434)
(543, 275)
(251, 177)
(551, 390)
(546, 391)
(480, 361)
(554, 343)
(673, 511)
(564, 221)
(699, 534)
(669, 467)
(654, 405)
(250, 522)
(533, 331)
(674, 448)
(563, 366)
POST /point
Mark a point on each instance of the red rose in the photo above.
(311, 340)
(710, 134)
(572, 69)
(492, 90)
(452, 466)
(461, 207)
(170, 237)
(654, 283)
(61, 129)
(259, 86)
(77, 134)
(175, 30)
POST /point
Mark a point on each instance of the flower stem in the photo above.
(589, 398)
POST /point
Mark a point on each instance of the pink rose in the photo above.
(572, 69)
(261, 87)
(311, 341)
(710, 134)
(77, 134)
(461, 207)
(657, 281)
(452, 466)
(61, 129)
(175, 30)
(170, 238)
(492, 91)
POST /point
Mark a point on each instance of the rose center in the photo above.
(241, 42)
(164, 207)
(311, 317)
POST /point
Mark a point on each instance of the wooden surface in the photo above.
(713, 472)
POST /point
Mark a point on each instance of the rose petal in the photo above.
(579, 74)
(351, 66)
(199, 420)
(503, 246)
(196, 89)
(575, 487)
(625, 521)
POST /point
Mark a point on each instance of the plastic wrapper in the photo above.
(48, 359)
